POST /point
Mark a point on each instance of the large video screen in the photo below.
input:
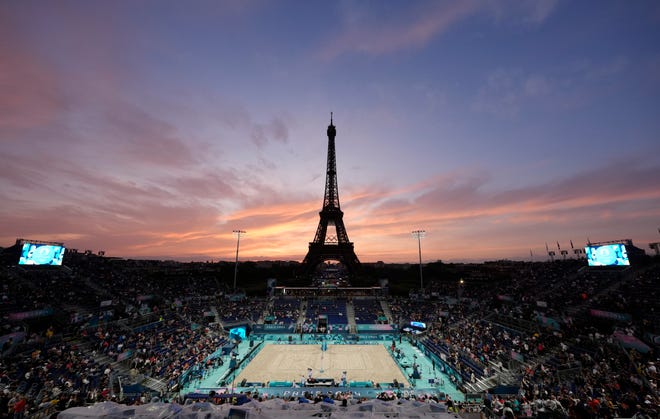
(41, 254)
(418, 325)
(238, 333)
(607, 255)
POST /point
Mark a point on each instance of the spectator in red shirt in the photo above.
(20, 407)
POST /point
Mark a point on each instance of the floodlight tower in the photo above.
(419, 234)
(238, 234)
(461, 283)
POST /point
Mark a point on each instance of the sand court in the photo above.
(290, 363)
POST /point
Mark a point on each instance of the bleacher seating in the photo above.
(77, 348)
(334, 309)
(367, 311)
(285, 310)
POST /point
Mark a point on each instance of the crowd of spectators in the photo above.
(64, 331)
(342, 398)
(58, 376)
(368, 311)
(491, 405)
(233, 311)
(284, 311)
(333, 308)
(541, 326)
(164, 349)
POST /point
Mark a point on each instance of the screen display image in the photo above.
(237, 332)
(41, 254)
(607, 255)
(418, 325)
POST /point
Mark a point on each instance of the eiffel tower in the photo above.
(331, 245)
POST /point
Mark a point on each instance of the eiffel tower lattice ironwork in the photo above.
(326, 245)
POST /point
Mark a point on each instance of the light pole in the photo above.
(460, 291)
(419, 234)
(238, 234)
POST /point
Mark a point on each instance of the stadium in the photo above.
(172, 242)
(89, 335)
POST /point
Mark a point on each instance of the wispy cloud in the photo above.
(420, 23)
(206, 184)
(125, 216)
(235, 117)
(275, 130)
(30, 93)
(508, 91)
(141, 138)
(538, 11)
(584, 191)
(410, 30)
(143, 219)
(160, 136)
(531, 13)
(467, 212)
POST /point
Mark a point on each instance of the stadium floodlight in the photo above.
(419, 234)
(461, 283)
(238, 234)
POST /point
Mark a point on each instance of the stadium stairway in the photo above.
(266, 311)
(121, 369)
(350, 316)
(154, 384)
(515, 373)
(481, 385)
(501, 375)
(303, 311)
(507, 376)
(118, 367)
(216, 315)
(386, 311)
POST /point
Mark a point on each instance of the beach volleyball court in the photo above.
(290, 363)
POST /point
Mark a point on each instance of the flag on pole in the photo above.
(558, 247)
(572, 244)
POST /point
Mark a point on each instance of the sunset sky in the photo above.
(152, 129)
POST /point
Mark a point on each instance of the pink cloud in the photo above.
(464, 213)
(210, 185)
(403, 33)
(47, 106)
(531, 13)
(188, 217)
(31, 95)
(416, 27)
(276, 130)
(136, 135)
(538, 11)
